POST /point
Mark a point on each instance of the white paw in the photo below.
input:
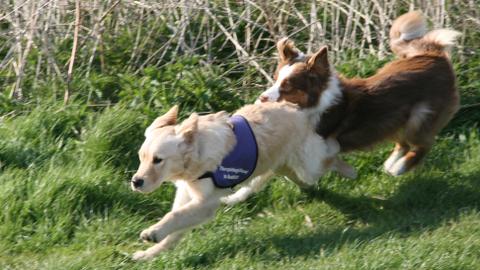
(398, 167)
(239, 196)
(389, 163)
(392, 159)
(231, 200)
(141, 256)
(226, 200)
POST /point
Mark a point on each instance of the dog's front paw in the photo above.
(141, 256)
(149, 235)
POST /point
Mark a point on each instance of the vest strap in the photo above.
(240, 163)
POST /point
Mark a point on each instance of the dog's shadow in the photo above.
(420, 204)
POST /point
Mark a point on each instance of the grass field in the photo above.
(65, 201)
(66, 204)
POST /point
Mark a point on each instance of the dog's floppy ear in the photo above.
(319, 61)
(189, 128)
(286, 49)
(168, 119)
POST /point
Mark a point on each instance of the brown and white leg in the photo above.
(424, 123)
(409, 160)
(398, 152)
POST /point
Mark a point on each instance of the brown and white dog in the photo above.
(182, 153)
(409, 100)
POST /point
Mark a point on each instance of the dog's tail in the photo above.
(409, 37)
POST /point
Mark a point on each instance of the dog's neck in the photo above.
(334, 119)
(335, 102)
(215, 139)
(329, 98)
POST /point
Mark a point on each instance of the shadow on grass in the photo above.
(420, 204)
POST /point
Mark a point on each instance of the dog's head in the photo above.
(164, 152)
(298, 78)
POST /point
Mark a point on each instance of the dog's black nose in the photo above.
(137, 182)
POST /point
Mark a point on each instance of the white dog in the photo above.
(195, 156)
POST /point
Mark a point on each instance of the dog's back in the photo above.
(403, 94)
(288, 143)
(415, 93)
(278, 127)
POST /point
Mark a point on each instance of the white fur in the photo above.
(410, 26)
(300, 56)
(444, 37)
(399, 167)
(409, 36)
(287, 145)
(419, 115)
(413, 29)
(190, 208)
(244, 192)
(415, 33)
(329, 97)
(394, 157)
(311, 157)
(273, 93)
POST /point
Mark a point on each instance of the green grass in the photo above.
(66, 204)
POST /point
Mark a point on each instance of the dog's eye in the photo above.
(157, 160)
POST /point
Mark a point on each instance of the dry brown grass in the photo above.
(194, 26)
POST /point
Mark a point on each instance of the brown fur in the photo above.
(408, 100)
(378, 107)
(307, 81)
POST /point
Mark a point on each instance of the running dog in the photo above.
(205, 156)
(409, 100)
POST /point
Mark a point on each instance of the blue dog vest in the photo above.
(240, 163)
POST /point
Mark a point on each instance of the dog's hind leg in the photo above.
(422, 126)
(257, 184)
(409, 160)
(295, 178)
(401, 148)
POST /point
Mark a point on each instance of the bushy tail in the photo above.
(409, 37)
